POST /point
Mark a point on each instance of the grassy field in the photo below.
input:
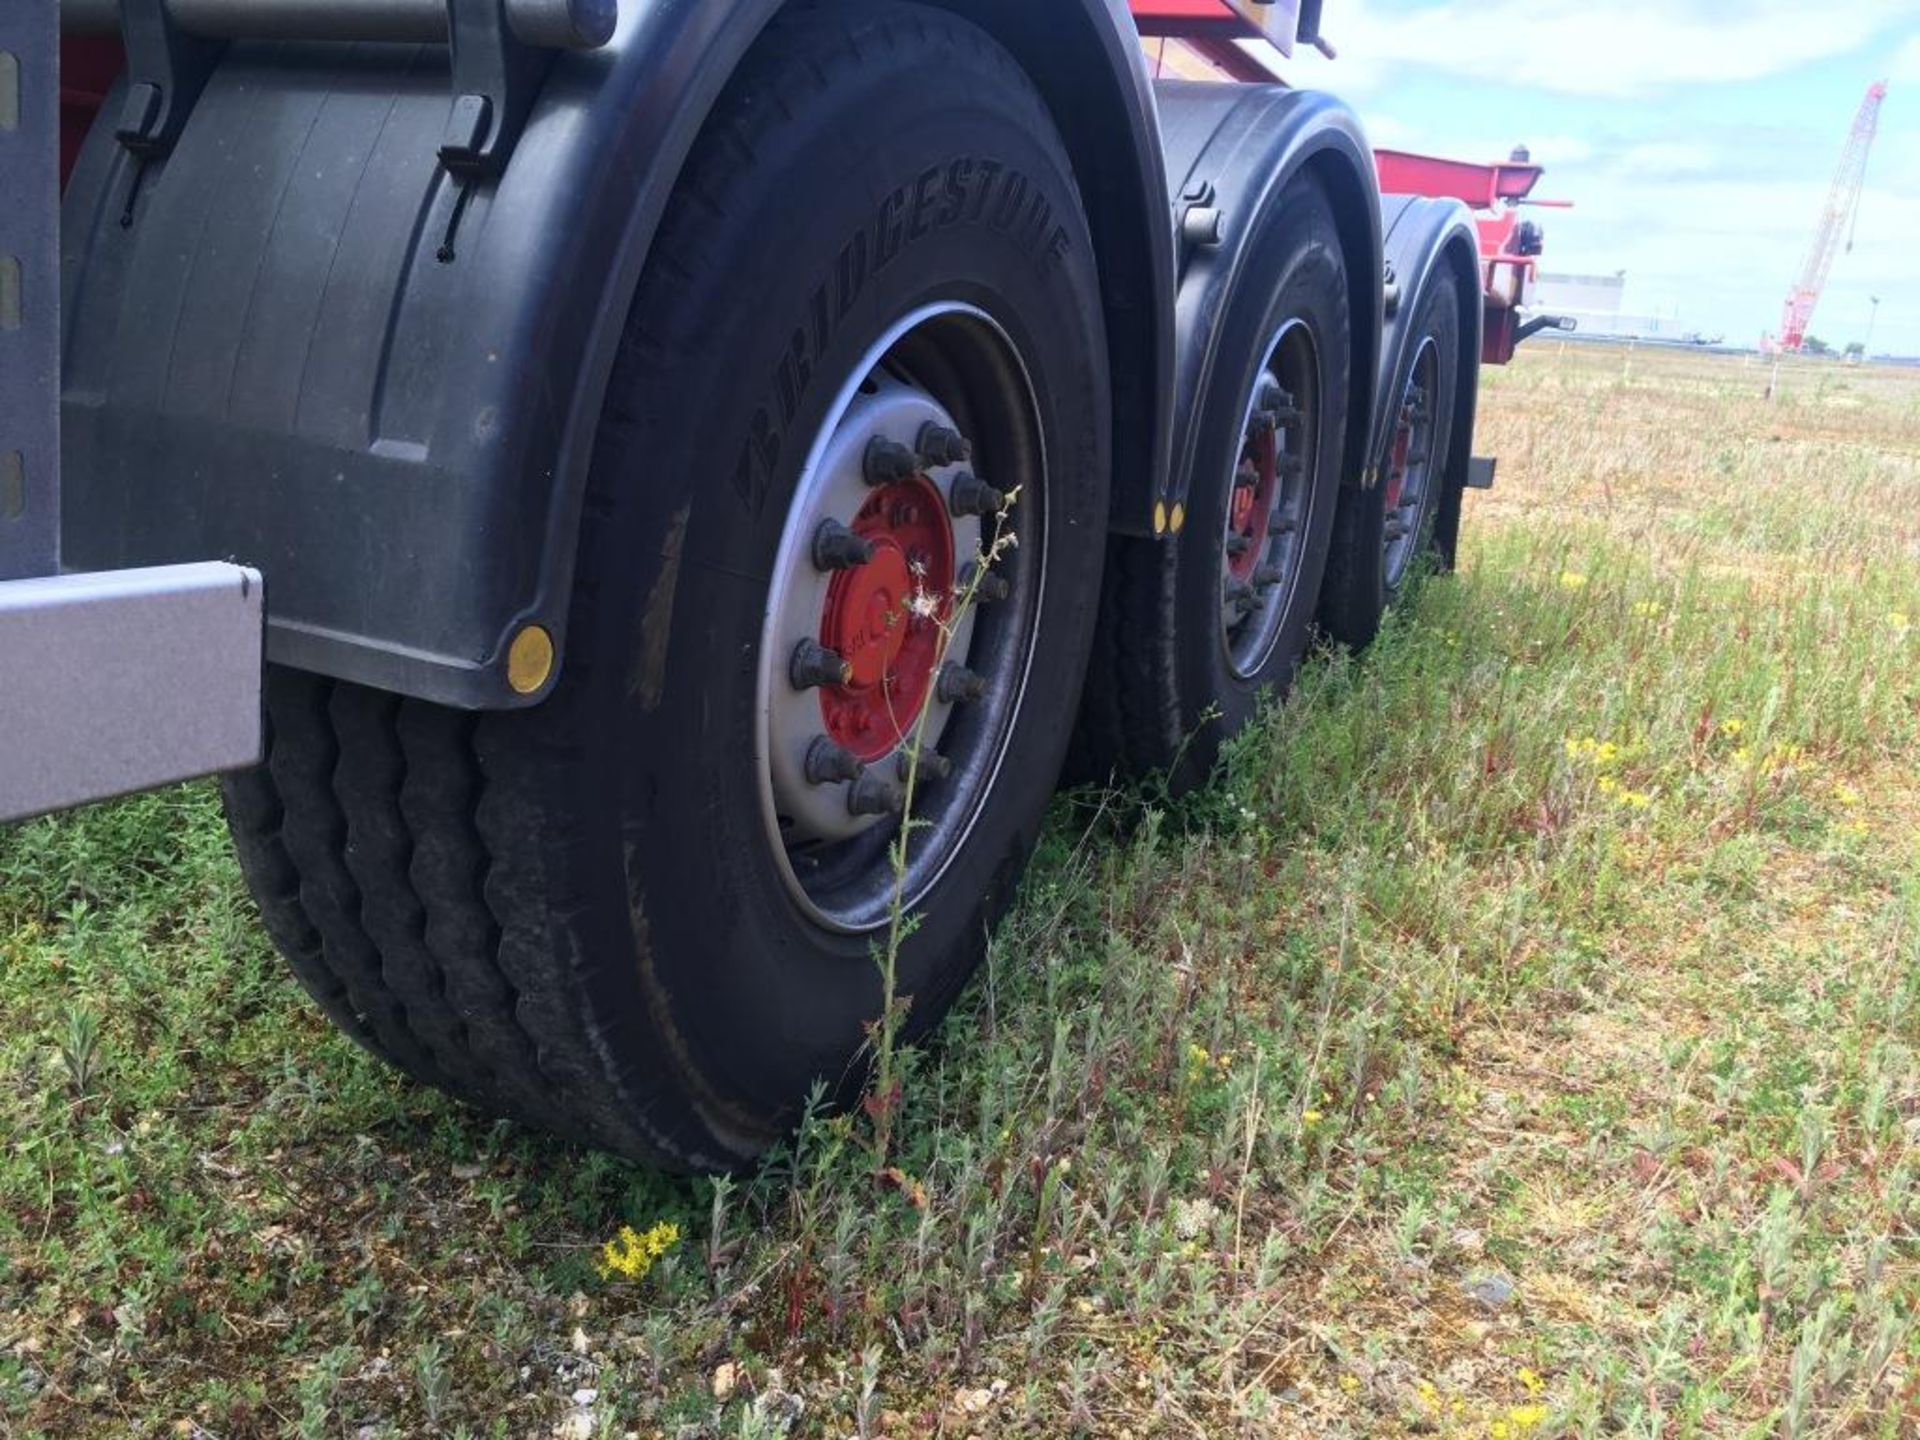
(1521, 1040)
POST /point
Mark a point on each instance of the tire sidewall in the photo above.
(1301, 263)
(1358, 593)
(687, 917)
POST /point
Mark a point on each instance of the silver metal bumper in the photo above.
(121, 681)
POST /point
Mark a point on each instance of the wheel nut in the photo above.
(835, 547)
(971, 495)
(1240, 596)
(1268, 576)
(933, 765)
(1282, 417)
(814, 666)
(830, 763)
(940, 445)
(872, 794)
(960, 686)
(988, 588)
(888, 462)
(1238, 545)
(1396, 530)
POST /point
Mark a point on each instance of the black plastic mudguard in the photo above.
(1423, 237)
(1234, 148)
(298, 342)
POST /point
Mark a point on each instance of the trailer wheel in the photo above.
(1381, 533)
(1194, 630)
(645, 914)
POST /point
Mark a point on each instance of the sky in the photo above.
(1697, 138)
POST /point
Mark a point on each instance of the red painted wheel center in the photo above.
(873, 623)
(1397, 463)
(1255, 489)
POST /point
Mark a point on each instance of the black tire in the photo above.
(574, 914)
(1363, 579)
(1162, 693)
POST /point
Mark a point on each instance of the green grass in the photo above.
(1566, 941)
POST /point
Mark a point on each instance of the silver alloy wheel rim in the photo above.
(1291, 378)
(836, 866)
(1407, 519)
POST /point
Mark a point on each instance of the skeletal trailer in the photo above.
(589, 470)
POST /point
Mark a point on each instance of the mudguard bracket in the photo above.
(166, 71)
(496, 78)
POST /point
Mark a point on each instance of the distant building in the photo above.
(1599, 298)
(1598, 304)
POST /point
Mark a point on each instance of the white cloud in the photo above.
(1670, 157)
(1906, 64)
(1628, 48)
(1388, 131)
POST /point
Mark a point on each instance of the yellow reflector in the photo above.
(530, 660)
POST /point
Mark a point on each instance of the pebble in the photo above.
(1493, 1290)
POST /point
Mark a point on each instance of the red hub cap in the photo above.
(873, 623)
(1253, 495)
(1397, 463)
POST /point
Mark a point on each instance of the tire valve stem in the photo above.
(971, 495)
(941, 445)
(830, 763)
(888, 462)
(960, 686)
(814, 666)
(988, 588)
(836, 547)
(873, 794)
(933, 766)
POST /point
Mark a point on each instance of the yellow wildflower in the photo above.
(630, 1255)
(1572, 580)
(1899, 620)
(1846, 794)
(1732, 726)
(1646, 609)
(1533, 1383)
(1349, 1383)
(1636, 799)
(1527, 1418)
(1310, 1118)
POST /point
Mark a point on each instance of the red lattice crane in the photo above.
(1843, 200)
